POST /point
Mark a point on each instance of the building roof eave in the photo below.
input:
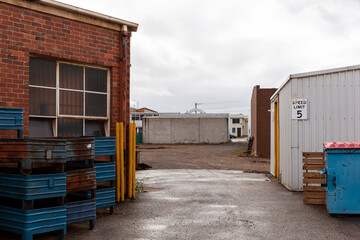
(50, 6)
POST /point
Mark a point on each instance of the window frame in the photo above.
(235, 120)
(57, 89)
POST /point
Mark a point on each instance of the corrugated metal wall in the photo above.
(272, 140)
(285, 173)
(333, 115)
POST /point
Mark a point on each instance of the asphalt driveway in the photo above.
(210, 203)
(213, 204)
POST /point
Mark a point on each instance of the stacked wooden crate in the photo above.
(313, 163)
(32, 190)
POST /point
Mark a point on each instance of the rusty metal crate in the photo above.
(81, 180)
(26, 152)
(80, 148)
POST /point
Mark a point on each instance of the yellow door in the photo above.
(276, 129)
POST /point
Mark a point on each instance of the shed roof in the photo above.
(188, 115)
(75, 13)
(314, 73)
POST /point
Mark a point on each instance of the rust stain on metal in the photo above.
(81, 180)
(80, 149)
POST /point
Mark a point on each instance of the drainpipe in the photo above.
(124, 91)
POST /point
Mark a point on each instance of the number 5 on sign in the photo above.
(299, 109)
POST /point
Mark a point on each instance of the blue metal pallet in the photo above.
(32, 187)
(12, 119)
(30, 222)
(105, 197)
(105, 146)
(105, 171)
(83, 210)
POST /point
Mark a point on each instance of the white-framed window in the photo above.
(236, 120)
(233, 130)
(68, 99)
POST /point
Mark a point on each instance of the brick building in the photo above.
(67, 67)
(260, 120)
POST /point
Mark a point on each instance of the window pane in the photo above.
(42, 72)
(96, 105)
(40, 127)
(94, 128)
(68, 127)
(42, 101)
(71, 103)
(95, 80)
(71, 76)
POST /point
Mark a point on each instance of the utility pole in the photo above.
(196, 104)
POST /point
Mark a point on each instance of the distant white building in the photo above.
(137, 115)
(238, 125)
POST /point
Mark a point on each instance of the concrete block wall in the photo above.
(185, 130)
(25, 32)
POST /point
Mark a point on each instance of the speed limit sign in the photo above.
(299, 109)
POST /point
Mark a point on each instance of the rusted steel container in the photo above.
(81, 180)
(79, 149)
(26, 152)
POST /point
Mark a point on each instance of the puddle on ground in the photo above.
(156, 227)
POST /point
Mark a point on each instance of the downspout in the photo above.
(124, 103)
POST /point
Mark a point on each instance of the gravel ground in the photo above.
(228, 156)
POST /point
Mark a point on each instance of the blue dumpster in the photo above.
(342, 173)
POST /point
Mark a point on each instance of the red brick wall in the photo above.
(260, 120)
(253, 118)
(25, 33)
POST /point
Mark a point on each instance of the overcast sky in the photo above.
(215, 52)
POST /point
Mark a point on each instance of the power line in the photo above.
(244, 108)
(222, 102)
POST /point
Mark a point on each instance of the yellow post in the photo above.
(118, 163)
(134, 158)
(276, 130)
(122, 175)
(130, 182)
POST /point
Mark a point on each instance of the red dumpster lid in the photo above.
(342, 145)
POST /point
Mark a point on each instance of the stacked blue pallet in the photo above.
(32, 204)
(105, 172)
(29, 204)
(81, 175)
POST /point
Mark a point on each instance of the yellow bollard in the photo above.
(122, 175)
(134, 159)
(130, 182)
(118, 177)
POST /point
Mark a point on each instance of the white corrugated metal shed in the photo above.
(333, 115)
